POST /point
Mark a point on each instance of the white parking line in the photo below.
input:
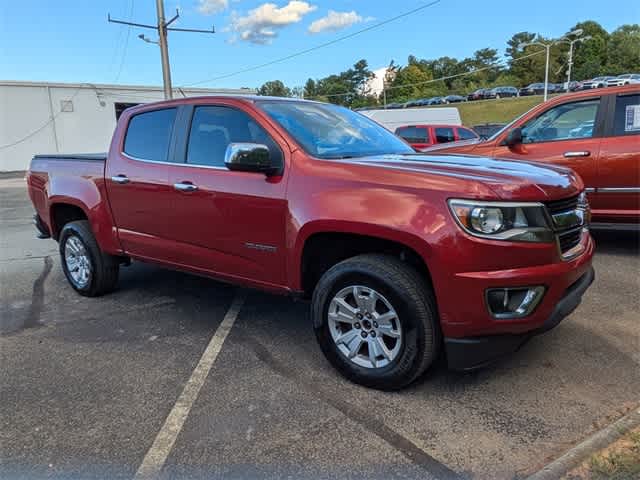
(157, 455)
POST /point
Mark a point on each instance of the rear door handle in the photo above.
(583, 153)
(185, 187)
(121, 179)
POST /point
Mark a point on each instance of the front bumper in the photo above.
(475, 352)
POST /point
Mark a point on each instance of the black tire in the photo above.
(411, 297)
(104, 267)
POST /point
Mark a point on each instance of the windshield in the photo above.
(329, 131)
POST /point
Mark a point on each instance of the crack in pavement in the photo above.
(405, 446)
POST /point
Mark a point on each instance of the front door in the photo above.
(226, 222)
(562, 135)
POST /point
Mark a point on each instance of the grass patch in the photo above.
(620, 461)
(622, 464)
(494, 111)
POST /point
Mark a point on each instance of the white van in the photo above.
(392, 119)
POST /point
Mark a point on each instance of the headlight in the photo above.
(518, 222)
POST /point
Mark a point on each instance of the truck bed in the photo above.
(98, 157)
(61, 175)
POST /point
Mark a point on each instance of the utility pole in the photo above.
(162, 28)
(164, 50)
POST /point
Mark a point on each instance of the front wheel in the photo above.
(376, 322)
(89, 270)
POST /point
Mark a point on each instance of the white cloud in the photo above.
(335, 21)
(261, 24)
(209, 7)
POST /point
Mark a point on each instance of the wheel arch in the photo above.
(320, 247)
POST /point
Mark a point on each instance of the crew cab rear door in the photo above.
(227, 223)
(618, 184)
(567, 134)
(137, 177)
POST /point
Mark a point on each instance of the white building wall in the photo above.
(32, 121)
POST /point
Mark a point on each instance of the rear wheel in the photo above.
(89, 270)
(376, 322)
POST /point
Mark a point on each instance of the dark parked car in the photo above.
(502, 92)
(574, 86)
(477, 94)
(454, 99)
(533, 89)
(556, 88)
(435, 101)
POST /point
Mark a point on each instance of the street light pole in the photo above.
(546, 73)
(547, 46)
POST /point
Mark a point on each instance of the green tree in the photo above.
(310, 89)
(590, 56)
(274, 88)
(409, 83)
(623, 50)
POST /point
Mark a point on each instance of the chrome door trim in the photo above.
(618, 190)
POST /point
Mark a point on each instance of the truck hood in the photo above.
(508, 179)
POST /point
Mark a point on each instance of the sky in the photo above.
(71, 40)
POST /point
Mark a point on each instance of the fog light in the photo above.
(505, 303)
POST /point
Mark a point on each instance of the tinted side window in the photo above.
(149, 134)
(465, 134)
(413, 134)
(627, 115)
(214, 128)
(444, 135)
(567, 121)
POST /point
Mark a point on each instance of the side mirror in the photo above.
(514, 137)
(249, 157)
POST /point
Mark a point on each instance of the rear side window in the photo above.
(413, 134)
(214, 128)
(149, 134)
(465, 134)
(627, 115)
(444, 134)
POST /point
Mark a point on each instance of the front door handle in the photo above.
(582, 153)
(185, 187)
(121, 179)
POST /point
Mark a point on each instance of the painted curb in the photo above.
(591, 445)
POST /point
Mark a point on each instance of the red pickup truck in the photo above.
(596, 133)
(401, 254)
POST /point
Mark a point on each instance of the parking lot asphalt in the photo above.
(86, 384)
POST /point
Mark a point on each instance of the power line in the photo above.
(162, 27)
(126, 43)
(317, 47)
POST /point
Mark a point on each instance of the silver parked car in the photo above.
(624, 79)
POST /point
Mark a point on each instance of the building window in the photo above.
(121, 107)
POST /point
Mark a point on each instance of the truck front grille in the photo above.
(566, 204)
(568, 221)
(570, 239)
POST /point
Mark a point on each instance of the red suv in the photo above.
(423, 136)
